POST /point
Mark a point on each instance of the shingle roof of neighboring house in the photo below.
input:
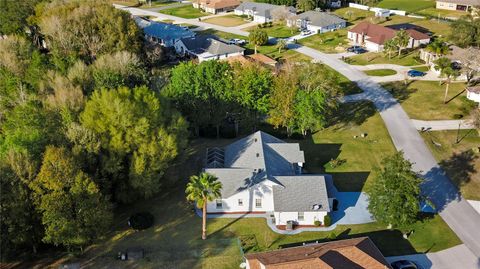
(164, 31)
(320, 19)
(351, 253)
(218, 4)
(300, 194)
(462, 2)
(261, 9)
(206, 44)
(474, 89)
(379, 34)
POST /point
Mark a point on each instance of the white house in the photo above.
(263, 174)
(459, 5)
(317, 22)
(473, 93)
(263, 12)
(165, 34)
(373, 36)
(206, 48)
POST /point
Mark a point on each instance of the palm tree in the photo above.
(281, 44)
(444, 65)
(402, 38)
(258, 37)
(202, 189)
(389, 47)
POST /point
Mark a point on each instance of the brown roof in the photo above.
(238, 59)
(474, 89)
(262, 58)
(354, 253)
(379, 34)
(217, 4)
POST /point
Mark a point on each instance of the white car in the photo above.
(305, 32)
(236, 41)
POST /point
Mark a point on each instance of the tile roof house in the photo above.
(317, 22)
(206, 48)
(357, 253)
(216, 6)
(263, 174)
(165, 34)
(262, 12)
(460, 5)
(373, 36)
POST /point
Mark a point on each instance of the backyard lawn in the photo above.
(279, 30)
(407, 5)
(330, 42)
(460, 162)
(423, 100)
(187, 12)
(406, 59)
(158, 3)
(227, 20)
(352, 14)
(381, 72)
(442, 13)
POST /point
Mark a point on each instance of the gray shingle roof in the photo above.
(300, 194)
(320, 19)
(207, 44)
(164, 31)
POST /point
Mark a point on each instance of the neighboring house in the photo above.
(460, 5)
(455, 54)
(263, 174)
(473, 93)
(165, 34)
(354, 253)
(317, 22)
(206, 48)
(373, 36)
(216, 6)
(263, 12)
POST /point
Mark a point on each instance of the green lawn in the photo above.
(227, 21)
(442, 13)
(158, 3)
(407, 5)
(381, 72)
(423, 100)
(348, 87)
(330, 42)
(406, 59)
(280, 30)
(187, 12)
(352, 14)
(422, 68)
(457, 159)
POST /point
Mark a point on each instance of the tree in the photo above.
(438, 47)
(395, 195)
(402, 38)
(202, 189)
(465, 32)
(14, 14)
(258, 38)
(306, 5)
(445, 66)
(389, 47)
(281, 44)
(282, 101)
(74, 212)
(139, 135)
(86, 30)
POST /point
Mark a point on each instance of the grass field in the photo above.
(228, 20)
(457, 159)
(442, 13)
(407, 5)
(158, 3)
(352, 14)
(327, 42)
(423, 100)
(381, 72)
(408, 59)
(187, 12)
(280, 30)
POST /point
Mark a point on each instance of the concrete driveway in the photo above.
(352, 209)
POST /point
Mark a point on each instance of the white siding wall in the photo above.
(238, 12)
(473, 96)
(373, 46)
(281, 218)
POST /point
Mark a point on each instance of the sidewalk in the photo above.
(438, 125)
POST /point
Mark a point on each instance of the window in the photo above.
(240, 202)
(301, 216)
(219, 203)
(258, 203)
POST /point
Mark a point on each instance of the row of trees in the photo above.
(300, 98)
(466, 32)
(80, 128)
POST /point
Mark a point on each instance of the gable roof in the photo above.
(262, 9)
(163, 31)
(354, 253)
(379, 34)
(300, 193)
(209, 46)
(320, 19)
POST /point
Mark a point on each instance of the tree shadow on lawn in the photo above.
(400, 90)
(460, 167)
(352, 113)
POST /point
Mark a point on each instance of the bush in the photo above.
(327, 220)
(457, 116)
(317, 223)
(141, 221)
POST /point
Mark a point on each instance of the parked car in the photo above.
(405, 264)
(305, 32)
(359, 50)
(415, 73)
(353, 48)
(236, 41)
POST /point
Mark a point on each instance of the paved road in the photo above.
(456, 211)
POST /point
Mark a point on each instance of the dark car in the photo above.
(359, 50)
(353, 48)
(404, 264)
(416, 73)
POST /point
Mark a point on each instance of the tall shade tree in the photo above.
(306, 5)
(86, 29)
(402, 38)
(139, 135)
(465, 32)
(14, 14)
(74, 212)
(395, 196)
(258, 37)
(202, 189)
(282, 101)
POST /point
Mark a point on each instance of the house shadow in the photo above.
(408, 26)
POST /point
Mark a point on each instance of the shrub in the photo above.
(141, 221)
(317, 223)
(457, 116)
(327, 220)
